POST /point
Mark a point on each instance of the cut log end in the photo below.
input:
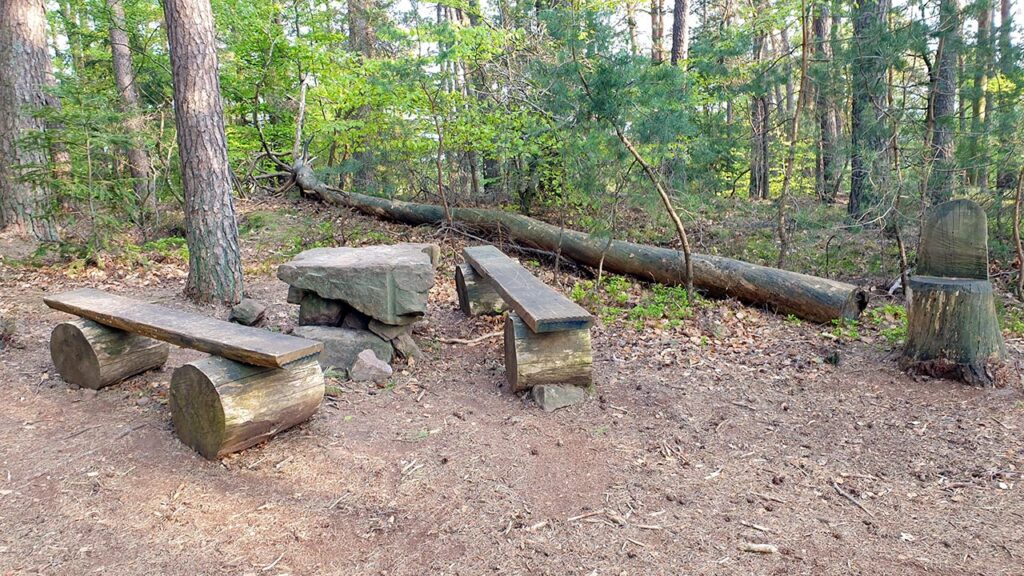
(219, 406)
(952, 330)
(91, 355)
(476, 296)
(533, 359)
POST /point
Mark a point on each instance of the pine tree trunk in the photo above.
(1008, 159)
(942, 161)
(139, 163)
(657, 31)
(362, 40)
(211, 231)
(680, 33)
(828, 169)
(759, 127)
(871, 158)
(978, 161)
(24, 65)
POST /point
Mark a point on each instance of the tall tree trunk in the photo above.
(942, 161)
(362, 38)
(24, 66)
(139, 163)
(977, 172)
(211, 231)
(680, 33)
(657, 31)
(759, 123)
(634, 48)
(1008, 158)
(870, 160)
(828, 169)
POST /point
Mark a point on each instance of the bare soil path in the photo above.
(697, 445)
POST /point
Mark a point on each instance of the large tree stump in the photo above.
(92, 355)
(952, 331)
(476, 295)
(532, 359)
(220, 406)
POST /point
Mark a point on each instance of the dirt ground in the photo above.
(695, 444)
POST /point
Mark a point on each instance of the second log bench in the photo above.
(547, 336)
(255, 384)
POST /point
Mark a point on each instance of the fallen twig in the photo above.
(470, 341)
(853, 500)
(759, 548)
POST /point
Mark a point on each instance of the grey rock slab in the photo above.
(342, 346)
(389, 283)
(387, 331)
(369, 368)
(551, 397)
(356, 321)
(317, 311)
(248, 312)
(406, 347)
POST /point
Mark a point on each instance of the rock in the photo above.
(406, 347)
(387, 331)
(551, 397)
(342, 346)
(389, 283)
(142, 401)
(248, 312)
(356, 321)
(317, 311)
(369, 368)
(295, 295)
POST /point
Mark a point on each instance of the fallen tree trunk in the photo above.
(807, 297)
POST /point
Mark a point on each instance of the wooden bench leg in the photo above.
(533, 359)
(92, 355)
(476, 295)
(220, 406)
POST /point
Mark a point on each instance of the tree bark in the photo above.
(759, 124)
(362, 39)
(24, 67)
(92, 355)
(533, 359)
(942, 173)
(1009, 154)
(139, 163)
(215, 267)
(871, 158)
(680, 31)
(828, 169)
(657, 31)
(978, 142)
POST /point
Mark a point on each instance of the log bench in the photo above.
(547, 336)
(255, 384)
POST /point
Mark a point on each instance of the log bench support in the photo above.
(220, 406)
(94, 356)
(476, 295)
(533, 359)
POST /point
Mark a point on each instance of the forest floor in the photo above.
(730, 429)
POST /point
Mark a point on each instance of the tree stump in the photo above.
(533, 359)
(952, 331)
(92, 355)
(476, 295)
(220, 406)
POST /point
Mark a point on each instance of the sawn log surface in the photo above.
(240, 343)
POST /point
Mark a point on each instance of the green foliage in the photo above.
(618, 299)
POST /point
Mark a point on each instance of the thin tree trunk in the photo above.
(759, 123)
(211, 231)
(794, 134)
(362, 38)
(1006, 134)
(24, 66)
(944, 91)
(828, 169)
(139, 163)
(870, 160)
(680, 32)
(977, 172)
(657, 31)
(634, 45)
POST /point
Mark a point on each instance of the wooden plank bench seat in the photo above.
(547, 336)
(255, 384)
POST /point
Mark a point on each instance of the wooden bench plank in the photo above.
(241, 343)
(542, 307)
